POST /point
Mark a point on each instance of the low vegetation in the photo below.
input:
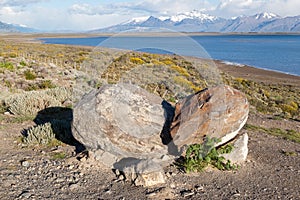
(30, 103)
(280, 101)
(287, 134)
(199, 156)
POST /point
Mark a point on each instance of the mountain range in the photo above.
(199, 22)
(194, 21)
(15, 28)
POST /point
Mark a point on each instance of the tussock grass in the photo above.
(31, 102)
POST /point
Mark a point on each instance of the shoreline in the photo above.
(194, 34)
(234, 69)
(142, 34)
(258, 74)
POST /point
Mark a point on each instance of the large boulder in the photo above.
(136, 132)
(121, 125)
(219, 112)
(123, 120)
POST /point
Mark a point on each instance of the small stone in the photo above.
(236, 195)
(25, 163)
(107, 191)
(187, 193)
(199, 188)
(59, 180)
(25, 194)
(71, 166)
(142, 172)
(161, 193)
(74, 186)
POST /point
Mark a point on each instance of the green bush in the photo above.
(41, 134)
(7, 65)
(23, 63)
(51, 133)
(199, 156)
(46, 84)
(29, 75)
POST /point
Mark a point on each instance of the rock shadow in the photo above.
(165, 135)
(60, 119)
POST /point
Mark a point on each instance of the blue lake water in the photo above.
(272, 52)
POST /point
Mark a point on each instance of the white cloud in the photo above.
(84, 16)
(15, 3)
(151, 7)
(230, 8)
(170, 6)
(284, 7)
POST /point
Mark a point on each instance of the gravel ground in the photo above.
(271, 172)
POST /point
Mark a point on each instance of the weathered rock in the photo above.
(120, 122)
(128, 128)
(140, 172)
(240, 151)
(124, 120)
(218, 112)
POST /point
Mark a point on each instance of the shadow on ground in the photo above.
(60, 119)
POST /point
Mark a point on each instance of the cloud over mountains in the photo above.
(91, 14)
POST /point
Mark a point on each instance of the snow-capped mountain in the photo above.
(194, 15)
(266, 15)
(196, 21)
(250, 23)
(15, 28)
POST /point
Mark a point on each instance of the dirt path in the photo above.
(272, 171)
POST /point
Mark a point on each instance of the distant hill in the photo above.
(15, 28)
(199, 22)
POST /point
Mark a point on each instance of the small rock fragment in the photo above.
(25, 163)
(240, 150)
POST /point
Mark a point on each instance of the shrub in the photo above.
(29, 103)
(46, 84)
(186, 83)
(156, 62)
(167, 61)
(51, 133)
(59, 156)
(199, 156)
(137, 60)
(182, 71)
(23, 63)
(29, 75)
(13, 55)
(59, 93)
(41, 134)
(7, 65)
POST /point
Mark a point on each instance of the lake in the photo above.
(271, 52)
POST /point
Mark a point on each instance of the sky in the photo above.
(92, 14)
